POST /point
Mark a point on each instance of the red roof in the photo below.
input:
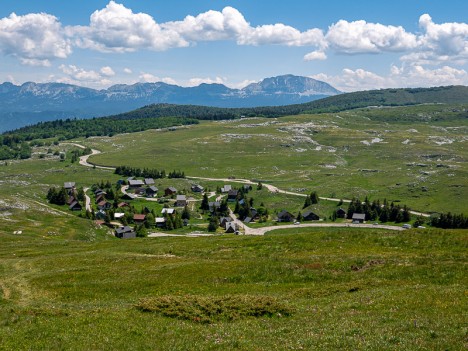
(139, 217)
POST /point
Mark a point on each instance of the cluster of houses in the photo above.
(72, 202)
(147, 188)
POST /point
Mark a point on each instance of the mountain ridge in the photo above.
(32, 102)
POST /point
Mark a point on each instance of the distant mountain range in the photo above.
(30, 102)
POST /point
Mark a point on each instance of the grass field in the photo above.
(66, 284)
(308, 289)
(371, 152)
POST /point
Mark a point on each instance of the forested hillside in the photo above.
(168, 115)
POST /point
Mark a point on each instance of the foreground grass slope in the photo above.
(328, 289)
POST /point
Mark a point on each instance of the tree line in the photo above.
(384, 212)
(450, 221)
(147, 172)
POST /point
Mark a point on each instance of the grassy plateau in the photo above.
(66, 284)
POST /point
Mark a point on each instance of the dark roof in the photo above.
(232, 192)
(171, 188)
(152, 189)
(284, 213)
(75, 204)
(124, 232)
(340, 210)
(310, 214)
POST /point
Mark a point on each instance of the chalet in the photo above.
(197, 188)
(125, 233)
(139, 218)
(168, 211)
(99, 192)
(100, 198)
(160, 222)
(119, 215)
(254, 213)
(104, 205)
(101, 214)
(226, 188)
(69, 185)
(149, 181)
(151, 191)
(214, 206)
(75, 206)
(340, 213)
(285, 216)
(128, 196)
(140, 191)
(248, 220)
(358, 218)
(70, 200)
(224, 220)
(123, 204)
(135, 183)
(310, 216)
(232, 195)
(181, 201)
(170, 191)
(231, 227)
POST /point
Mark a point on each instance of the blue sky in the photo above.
(353, 45)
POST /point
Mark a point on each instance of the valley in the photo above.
(293, 286)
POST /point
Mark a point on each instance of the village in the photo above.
(135, 207)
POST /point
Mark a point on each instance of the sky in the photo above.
(353, 45)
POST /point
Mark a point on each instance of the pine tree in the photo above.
(205, 203)
(307, 202)
(299, 217)
(314, 198)
(186, 213)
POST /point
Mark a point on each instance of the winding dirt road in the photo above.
(261, 231)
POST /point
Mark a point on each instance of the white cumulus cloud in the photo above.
(34, 38)
(411, 76)
(107, 71)
(117, 29)
(361, 37)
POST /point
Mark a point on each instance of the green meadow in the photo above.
(66, 284)
(303, 289)
(411, 155)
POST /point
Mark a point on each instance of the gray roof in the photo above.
(149, 181)
(122, 230)
(181, 198)
(359, 216)
(171, 188)
(152, 188)
(226, 188)
(135, 182)
(69, 185)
